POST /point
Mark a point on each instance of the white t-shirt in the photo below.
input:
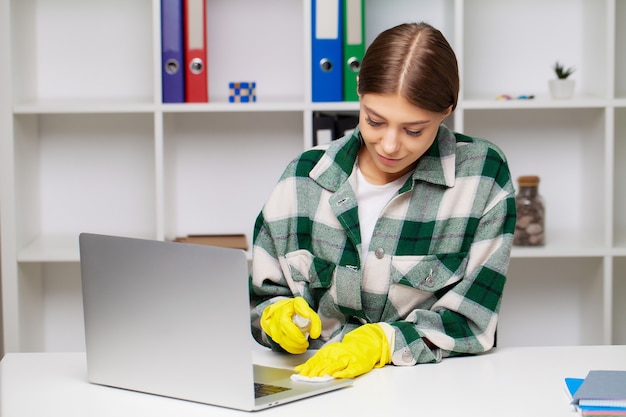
(372, 199)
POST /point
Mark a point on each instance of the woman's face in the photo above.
(396, 135)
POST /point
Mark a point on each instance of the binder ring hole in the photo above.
(196, 66)
(326, 65)
(171, 66)
(354, 64)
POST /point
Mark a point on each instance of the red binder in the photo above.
(196, 83)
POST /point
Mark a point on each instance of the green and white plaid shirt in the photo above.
(437, 260)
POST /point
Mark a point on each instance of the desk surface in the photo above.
(507, 381)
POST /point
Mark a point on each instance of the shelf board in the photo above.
(259, 106)
(71, 106)
(556, 251)
(334, 106)
(51, 249)
(620, 102)
(562, 244)
(619, 251)
(540, 102)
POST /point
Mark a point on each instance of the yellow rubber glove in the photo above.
(277, 321)
(360, 351)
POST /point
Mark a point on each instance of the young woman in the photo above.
(390, 245)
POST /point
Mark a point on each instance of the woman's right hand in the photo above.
(277, 321)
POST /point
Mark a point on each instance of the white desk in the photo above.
(506, 382)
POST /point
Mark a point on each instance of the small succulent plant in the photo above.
(561, 72)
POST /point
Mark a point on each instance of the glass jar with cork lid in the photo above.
(530, 225)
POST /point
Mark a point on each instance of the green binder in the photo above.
(353, 45)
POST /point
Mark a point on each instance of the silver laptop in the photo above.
(173, 319)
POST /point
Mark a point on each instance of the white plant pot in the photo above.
(562, 89)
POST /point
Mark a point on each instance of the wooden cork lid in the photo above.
(528, 181)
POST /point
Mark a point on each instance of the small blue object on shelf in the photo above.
(242, 92)
(508, 97)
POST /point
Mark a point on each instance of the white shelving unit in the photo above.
(87, 145)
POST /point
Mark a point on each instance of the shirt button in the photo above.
(429, 279)
(380, 253)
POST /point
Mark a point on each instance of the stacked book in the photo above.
(600, 393)
(237, 241)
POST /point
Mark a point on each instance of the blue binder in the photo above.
(172, 49)
(327, 50)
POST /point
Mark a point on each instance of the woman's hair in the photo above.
(416, 61)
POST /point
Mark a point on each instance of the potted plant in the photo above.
(562, 87)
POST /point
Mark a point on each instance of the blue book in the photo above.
(572, 385)
(172, 67)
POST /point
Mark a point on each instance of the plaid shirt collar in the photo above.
(436, 166)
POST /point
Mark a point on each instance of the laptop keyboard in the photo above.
(261, 390)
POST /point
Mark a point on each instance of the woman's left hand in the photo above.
(360, 351)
